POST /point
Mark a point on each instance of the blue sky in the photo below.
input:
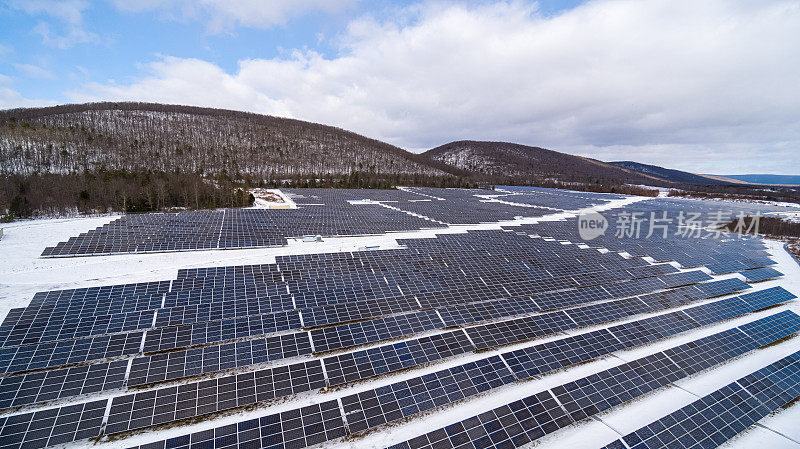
(122, 39)
(709, 87)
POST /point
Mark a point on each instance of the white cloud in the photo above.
(69, 12)
(73, 36)
(222, 15)
(10, 98)
(678, 83)
(34, 71)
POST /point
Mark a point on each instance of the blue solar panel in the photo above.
(717, 417)
(528, 419)
(760, 274)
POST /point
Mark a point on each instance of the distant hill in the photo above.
(169, 138)
(531, 164)
(143, 156)
(792, 180)
(667, 174)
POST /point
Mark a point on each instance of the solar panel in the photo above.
(598, 392)
(777, 384)
(530, 418)
(512, 331)
(730, 408)
(719, 310)
(192, 362)
(685, 278)
(723, 287)
(607, 311)
(769, 297)
(374, 361)
(652, 328)
(775, 327)
(292, 429)
(401, 399)
(69, 352)
(719, 416)
(354, 334)
(46, 386)
(53, 426)
(513, 425)
(709, 351)
(196, 334)
(545, 357)
(359, 310)
(760, 274)
(52, 327)
(190, 400)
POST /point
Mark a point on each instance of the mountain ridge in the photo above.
(135, 157)
(529, 163)
(669, 174)
(135, 136)
(151, 136)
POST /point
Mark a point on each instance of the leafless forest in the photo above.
(133, 156)
(134, 137)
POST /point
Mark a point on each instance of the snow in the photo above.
(271, 199)
(22, 273)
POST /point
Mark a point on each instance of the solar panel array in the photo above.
(335, 212)
(719, 416)
(511, 425)
(528, 419)
(471, 206)
(688, 245)
(101, 362)
(326, 212)
(234, 228)
(202, 397)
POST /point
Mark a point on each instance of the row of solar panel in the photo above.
(173, 298)
(496, 334)
(535, 416)
(761, 274)
(38, 387)
(721, 415)
(402, 399)
(199, 331)
(512, 425)
(232, 228)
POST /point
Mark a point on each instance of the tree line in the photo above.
(55, 194)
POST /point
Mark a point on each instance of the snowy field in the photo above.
(23, 273)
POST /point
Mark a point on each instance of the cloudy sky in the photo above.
(709, 86)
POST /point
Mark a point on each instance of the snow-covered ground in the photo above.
(271, 199)
(22, 273)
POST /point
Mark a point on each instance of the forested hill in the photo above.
(139, 137)
(669, 174)
(527, 164)
(145, 156)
